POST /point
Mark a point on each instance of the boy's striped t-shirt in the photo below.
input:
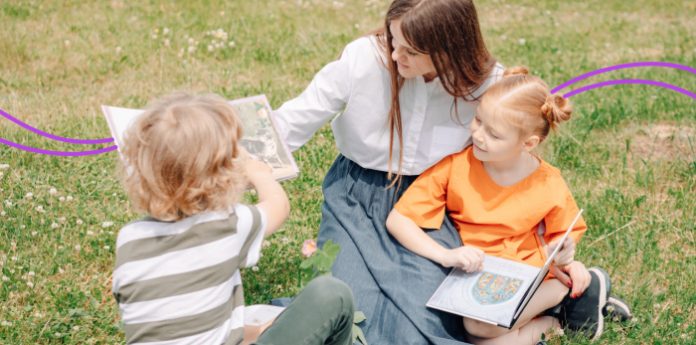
(179, 282)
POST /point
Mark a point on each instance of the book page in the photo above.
(491, 295)
(260, 137)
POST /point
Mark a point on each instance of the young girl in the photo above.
(402, 94)
(176, 277)
(497, 192)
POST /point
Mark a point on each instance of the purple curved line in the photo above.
(55, 137)
(624, 66)
(630, 81)
(58, 153)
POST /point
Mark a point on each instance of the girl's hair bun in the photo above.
(556, 109)
(517, 70)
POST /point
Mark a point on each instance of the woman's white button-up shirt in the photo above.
(355, 91)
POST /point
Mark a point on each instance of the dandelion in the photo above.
(53, 191)
(309, 247)
(107, 224)
(29, 196)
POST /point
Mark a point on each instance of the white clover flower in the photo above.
(154, 36)
(31, 273)
(61, 220)
(78, 221)
(61, 199)
(210, 48)
(14, 258)
(191, 49)
(191, 41)
(522, 41)
(231, 44)
(61, 270)
(67, 43)
(107, 247)
(118, 50)
(255, 268)
(4, 166)
(3, 213)
(6, 323)
(107, 224)
(57, 334)
(30, 285)
(40, 209)
(76, 328)
(53, 191)
(90, 233)
(38, 315)
(166, 42)
(34, 233)
(29, 196)
(165, 31)
(2, 174)
(5, 278)
(54, 225)
(69, 198)
(8, 203)
(78, 247)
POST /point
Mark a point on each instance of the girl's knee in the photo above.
(480, 329)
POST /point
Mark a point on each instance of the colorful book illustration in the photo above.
(498, 293)
(260, 139)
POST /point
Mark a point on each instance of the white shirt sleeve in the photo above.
(326, 95)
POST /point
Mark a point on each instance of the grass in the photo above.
(629, 154)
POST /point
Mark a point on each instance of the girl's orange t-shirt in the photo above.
(500, 220)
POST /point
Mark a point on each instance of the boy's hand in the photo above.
(469, 259)
(566, 254)
(573, 275)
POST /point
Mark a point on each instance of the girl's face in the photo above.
(494, 139)
(410, 62)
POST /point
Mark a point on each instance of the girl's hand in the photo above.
(575, 276)
(469, 259)
(565, 254)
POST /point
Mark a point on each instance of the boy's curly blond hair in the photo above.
(182, 157)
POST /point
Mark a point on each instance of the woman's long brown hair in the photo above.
(448, 31)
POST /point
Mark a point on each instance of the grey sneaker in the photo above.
(617, 309)
(584, 314)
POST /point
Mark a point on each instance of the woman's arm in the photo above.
(327, 95)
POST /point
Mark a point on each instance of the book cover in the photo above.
(498, 293)
(261, 138)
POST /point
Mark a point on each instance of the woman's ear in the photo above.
(531, 142)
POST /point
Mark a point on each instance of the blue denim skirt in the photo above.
(391, 285)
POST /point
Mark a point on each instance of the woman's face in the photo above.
(410, 62)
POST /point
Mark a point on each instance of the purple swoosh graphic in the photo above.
(630, 81)
(55, 137)
(624, 66)
(58, 153)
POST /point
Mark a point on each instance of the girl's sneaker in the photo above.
(585, 314)
(617, 309)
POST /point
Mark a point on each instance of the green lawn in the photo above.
(629, 154)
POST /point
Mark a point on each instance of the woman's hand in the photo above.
(573, 275)
(469, 259)
(565, 254)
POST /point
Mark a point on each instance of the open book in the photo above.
(498, 293)
(260, 139)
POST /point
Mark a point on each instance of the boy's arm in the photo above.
(416, 240)
(273, 201)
